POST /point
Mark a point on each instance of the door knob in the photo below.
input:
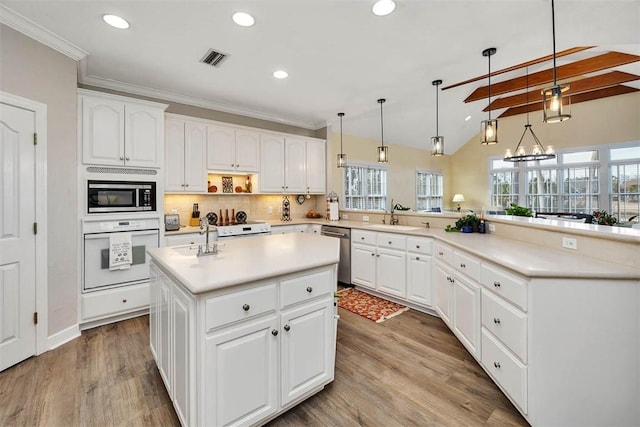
(287, 328)
(246, 307)
(274, 332)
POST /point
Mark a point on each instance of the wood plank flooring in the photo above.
(408, 371)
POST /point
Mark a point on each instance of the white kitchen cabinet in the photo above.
(233, 150)
(185, 156)
(314, 229)
(271, 163)
(164, 287)
(443, 291)
(419, 270)
(120, 131)
(182, 357)
(315, 166)
(363, 265)
(291, 228)
(187, 239)
(466, 313)
(391, 272)
(294, 166)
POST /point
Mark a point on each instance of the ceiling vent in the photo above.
(214, 58)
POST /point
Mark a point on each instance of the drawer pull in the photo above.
(463, 265)
(246, 307)
(309, 289)
(124, 300)
(417, 258)
(373, 254)
(389, 241)
(496, 284)
(440, 253)
(496, 320)
(496, 364)
(417, 246)
(287, 328)
(274, 332)
(362, 238)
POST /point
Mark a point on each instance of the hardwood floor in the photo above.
(408, 371)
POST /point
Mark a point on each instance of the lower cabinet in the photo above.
(264, 346)
(363, 265)
(443, 292)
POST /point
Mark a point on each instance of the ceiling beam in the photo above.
(575, 99)
(523, 65)
(578, 86)
(573, 69)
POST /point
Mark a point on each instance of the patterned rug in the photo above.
(369, 306)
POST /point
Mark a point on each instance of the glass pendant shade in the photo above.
(342, 158)
(383, 152)
(556, 107)
(437, 145)
(489, 129)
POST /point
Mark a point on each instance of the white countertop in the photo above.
(246, 260)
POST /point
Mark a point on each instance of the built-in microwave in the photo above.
(120, 196)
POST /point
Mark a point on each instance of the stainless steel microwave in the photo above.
(120, 196)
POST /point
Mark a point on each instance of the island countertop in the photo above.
(245, 260)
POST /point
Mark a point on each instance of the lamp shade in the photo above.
(457, 198)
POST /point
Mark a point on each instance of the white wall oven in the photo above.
(115, 252)
(120, 196)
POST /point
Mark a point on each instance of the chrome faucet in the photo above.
(394, 219)
(204, 228)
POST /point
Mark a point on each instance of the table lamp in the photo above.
(458, 198)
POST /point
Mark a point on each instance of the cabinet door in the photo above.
(143, 136)
(315, 162)
(247, 151)
(295, 166)
(183, 327)
(307, 362)
(419, 279)
(363, 265)
(271, 164)
(164, 336)
(443, 292)
(391, 272)
(154, 292)
(221, 148)
(195, 146)
(240, 374)
(466, 313)
(174, 155)
(102, 131)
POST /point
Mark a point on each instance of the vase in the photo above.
(467, 229)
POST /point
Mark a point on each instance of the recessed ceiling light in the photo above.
(383, 7)
(243, 19)
(466, 119)
(280, 74)
(116, 21)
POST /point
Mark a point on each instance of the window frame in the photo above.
(363, 195)
(430, 198)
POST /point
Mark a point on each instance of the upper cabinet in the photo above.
(233, 150)
(291, 165)
(119, 131)
(185, 156)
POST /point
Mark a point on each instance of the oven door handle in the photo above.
(332, 234)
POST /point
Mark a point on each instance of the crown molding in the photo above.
(29, 28)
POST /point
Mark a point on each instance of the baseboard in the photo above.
(62, 337)
(112, 319)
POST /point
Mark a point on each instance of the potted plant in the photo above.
(517, 210)
(602, 217)
(467, 224)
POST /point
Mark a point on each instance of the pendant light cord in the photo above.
(381, 101)
(489, 86)
(341, 133)
(527, 104)
(553, 32)
(437, 133)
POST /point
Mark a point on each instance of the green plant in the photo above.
(517, 210)
(470, 219)
(603, 217)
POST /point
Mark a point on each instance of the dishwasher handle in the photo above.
(332, 234)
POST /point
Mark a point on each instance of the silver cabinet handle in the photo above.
(274, 332)
(378, 255)
(124, 301)
(362, 238)
(496, 364)
(496, 320)
(417, 246)
(389, 241)
(246, 307)
(287, 328)
(127, 159)
(440, 253)
(121, 157)
(496, 284)
(417, 258)
(373, 254)
(309, 289)
(463, 265)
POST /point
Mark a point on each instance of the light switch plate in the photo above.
(569, 243)
(365, 218)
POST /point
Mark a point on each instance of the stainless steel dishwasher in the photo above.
(344, 266)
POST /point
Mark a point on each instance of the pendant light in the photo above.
(383, 152)
(538, 152)
(555, 108)
(489, 127)
(342, 158)
(437, 142)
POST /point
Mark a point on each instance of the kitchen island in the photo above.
(243, 335)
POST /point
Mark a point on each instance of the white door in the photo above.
(174, 155)
(443, 293)
(221, 148)
(391, 272)
(315, 163)
(419, 279)
(295, 166)
(247, 151)
(195, 160)
(271, 164)
(17, 240)
(102, 131)
(363, 265)
(143, 136)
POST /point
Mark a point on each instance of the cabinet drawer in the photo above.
(306, 287)
(362, 236)
(419, 245)
(115, 301)
(507, 323)
(443, 253)
(467, 265)
(392, 241)
(239, 305)
(506, 285)
(506, 370)
(185, 239)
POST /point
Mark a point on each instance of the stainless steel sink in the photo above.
(390, 227)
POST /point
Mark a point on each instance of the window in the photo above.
(505, 183)
(624, 194)
(365, 187)
(429, 191)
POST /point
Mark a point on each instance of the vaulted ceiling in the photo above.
(342, 58)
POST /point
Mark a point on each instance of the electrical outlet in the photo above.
(365, 218)
(569, 243)
(270, 210)
(279, 209)
(345, 216)
(174, 211)
(492, 228)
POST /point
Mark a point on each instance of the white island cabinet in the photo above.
(241, 336)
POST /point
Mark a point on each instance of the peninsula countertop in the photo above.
(246, 260)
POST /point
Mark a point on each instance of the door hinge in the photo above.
(35, 318)
(35, 138)
(35, 228)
